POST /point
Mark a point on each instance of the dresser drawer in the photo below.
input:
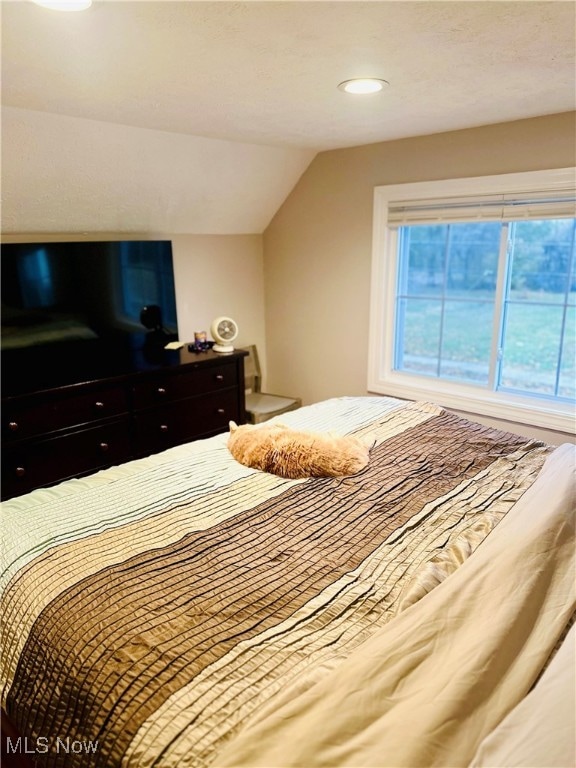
(180, 422)
(164, 388)
(26, 418)
(143, 407)
(48, 461)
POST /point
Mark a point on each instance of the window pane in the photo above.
(423, 253)
(473, 259)
(466, 340)
(418, 335)
(567, 383)
(541, 260)
(458, 261)
(540, 279)
(531, 347)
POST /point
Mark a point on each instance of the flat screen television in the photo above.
(82, 301)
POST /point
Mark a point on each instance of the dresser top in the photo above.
(48, 367)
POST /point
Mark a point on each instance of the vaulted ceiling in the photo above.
(207, 113)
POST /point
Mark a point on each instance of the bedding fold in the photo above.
(157, 608)
(427, 688)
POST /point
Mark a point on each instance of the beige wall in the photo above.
(220, 275)
(318, 247)
(215, 275)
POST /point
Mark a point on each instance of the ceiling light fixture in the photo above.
(64, 5)
(363, 85)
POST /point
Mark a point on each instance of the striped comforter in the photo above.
(150, 610)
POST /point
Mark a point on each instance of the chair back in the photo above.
(252, 374)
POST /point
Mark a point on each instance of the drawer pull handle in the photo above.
(219, 377)
(221, 411)
(160, 391)
(99, 404)
(13, 426)
(163, 427)
(20, 471)
(104, 447)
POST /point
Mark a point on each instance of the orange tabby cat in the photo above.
(289, 453)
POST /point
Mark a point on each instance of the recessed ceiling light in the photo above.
(363, 85)
(64, 5)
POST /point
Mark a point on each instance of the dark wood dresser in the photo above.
(142, 404)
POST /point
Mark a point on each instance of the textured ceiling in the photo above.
(248, 91)
(266, 72)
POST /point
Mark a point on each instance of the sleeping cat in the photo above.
(289, 453)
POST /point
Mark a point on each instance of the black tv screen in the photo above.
(62, 291)
(81, 300)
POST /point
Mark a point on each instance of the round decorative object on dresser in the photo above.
(224, 331)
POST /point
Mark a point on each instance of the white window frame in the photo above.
(475, 399)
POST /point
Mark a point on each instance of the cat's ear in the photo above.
(233, 426)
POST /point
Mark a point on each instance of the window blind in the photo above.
(501, 207)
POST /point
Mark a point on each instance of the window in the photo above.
(474, 295)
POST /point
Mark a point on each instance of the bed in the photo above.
(185, 610)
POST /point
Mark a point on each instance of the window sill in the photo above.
(532, 411)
